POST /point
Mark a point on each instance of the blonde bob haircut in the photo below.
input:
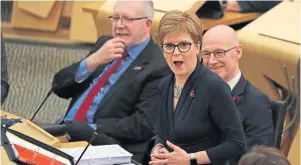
(177, 21)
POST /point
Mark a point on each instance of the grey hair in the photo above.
(148, 9)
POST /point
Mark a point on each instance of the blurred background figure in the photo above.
(261, 155)
(248, 6)
(4, 73)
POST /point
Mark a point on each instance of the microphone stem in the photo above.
(48, 94)
(92, 138)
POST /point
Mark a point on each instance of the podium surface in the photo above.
(32, 130)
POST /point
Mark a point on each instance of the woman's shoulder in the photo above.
(165, 81)
(209, 77)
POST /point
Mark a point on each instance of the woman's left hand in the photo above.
(177, 157)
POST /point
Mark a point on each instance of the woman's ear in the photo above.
(199, 46)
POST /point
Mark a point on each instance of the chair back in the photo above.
(278, 113)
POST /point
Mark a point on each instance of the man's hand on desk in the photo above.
(79, 131)
(63, 139)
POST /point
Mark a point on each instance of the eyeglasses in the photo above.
(217, 53)
(124, 20)
(182, 47)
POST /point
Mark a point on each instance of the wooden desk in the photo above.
(270, 42)
(30, 129)
(230, 18)
(25, 20)
(101, 11)
(83, 28)
(38, 8)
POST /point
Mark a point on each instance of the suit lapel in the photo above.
(130, 73)
(239, 88)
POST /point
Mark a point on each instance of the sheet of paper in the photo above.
(100, 154)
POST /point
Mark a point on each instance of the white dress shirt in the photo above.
(234, 81)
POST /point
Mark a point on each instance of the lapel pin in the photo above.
(137, 68)
(192, 94)
(234, 98)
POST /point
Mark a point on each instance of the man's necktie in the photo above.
(81, 113)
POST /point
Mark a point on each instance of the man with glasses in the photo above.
(221, 52)
(114, 89)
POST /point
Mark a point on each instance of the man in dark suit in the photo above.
(114, 89)
(4, 74)
(221, 53)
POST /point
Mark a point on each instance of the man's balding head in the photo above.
(221, 33)
(220, 39)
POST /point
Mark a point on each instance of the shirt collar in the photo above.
(136, 50)
(234, 81)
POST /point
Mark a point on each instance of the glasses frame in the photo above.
(174, 48)
(224, 53)
(128, 20)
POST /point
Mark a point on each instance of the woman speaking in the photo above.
(197, 122)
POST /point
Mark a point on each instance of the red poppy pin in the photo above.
(137, 68)
(192, 94)
(234, 98)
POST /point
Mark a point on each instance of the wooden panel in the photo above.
(22, 19)
(60, 36)
(269, 54)
(168, 5)
(67, 10)
(229, 18)
(273, 25)
(30, 129)
(101, 12)
(103, 24)
(263, 59)
(294, 154)
(74, 144)
(38, 8)
(83, 28)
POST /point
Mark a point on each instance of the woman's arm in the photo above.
(224, 115)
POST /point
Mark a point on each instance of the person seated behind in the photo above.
(249, 6)
(221, 53)
(4, 73)
(118, 101)
(198, 121)
(261, 155)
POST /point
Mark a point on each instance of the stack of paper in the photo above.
(100, 155)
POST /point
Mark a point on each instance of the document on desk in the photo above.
(32, 153)
(100, 155)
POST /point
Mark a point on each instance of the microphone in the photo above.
(81, 155)
(54, 86)
(47, 96)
